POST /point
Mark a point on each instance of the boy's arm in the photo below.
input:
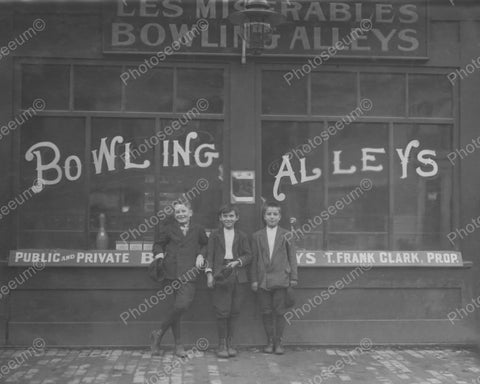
(210, 253)
(253, 266)
(245, 256)
(161, 243)
(292, 259)
(202, 241)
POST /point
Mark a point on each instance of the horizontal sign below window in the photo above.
(380, 258)
(40, 258)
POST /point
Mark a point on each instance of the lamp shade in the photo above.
(257, 11)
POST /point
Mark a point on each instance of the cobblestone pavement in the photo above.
(297, 366)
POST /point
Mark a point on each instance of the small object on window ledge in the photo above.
(102, 237)
(136, 245)
(121, 246)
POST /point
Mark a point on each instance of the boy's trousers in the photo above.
(272, 301)
(228, 298)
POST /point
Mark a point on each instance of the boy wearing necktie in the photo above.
(182, 245)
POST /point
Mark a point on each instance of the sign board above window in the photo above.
(319, 29)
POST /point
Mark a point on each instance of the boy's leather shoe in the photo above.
(232, 352)
(269, 348)
(180, 350)
(279, 350)
(155, 339)
(222, 349)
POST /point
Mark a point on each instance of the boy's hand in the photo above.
(210, 281)
(233, 264)
(160, 255)
(293, 283)
(255, 286)
(200, 261)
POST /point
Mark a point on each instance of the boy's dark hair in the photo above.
(271, 204)
(226, 208)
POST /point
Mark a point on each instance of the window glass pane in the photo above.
(197, 177)
(97, 88)
(47, 82)
(430, 96)
(357, 241)
(280, 97)
(303, 200)
(422, 205)
(333, 93)
(196, 84)
(358, 187)
(386, 91)
(151, 92)
(52, 239)
(53, 217)
(125, 194)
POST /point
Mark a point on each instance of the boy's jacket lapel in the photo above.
(235, 240)
(221, 238)
(264, 239)
(176, 230)
(278, 241)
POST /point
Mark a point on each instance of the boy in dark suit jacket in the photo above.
(228, 254)
(274, 269)
(182, 245)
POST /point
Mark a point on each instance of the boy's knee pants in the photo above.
(272, 301)
(184, 296)
(228, 299)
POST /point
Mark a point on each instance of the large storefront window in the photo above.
(333, 93)
(363, 222)
(125, 151)
(97, 88)
(49, 83)
(143, 95)
(125, 196)
(52, 215)
(203, 183)
(423, 206)
(303, 200)
(359, 172)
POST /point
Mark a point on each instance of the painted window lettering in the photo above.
(174, 155)
(428, 166)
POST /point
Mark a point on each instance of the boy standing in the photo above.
(228, 254)
(182, 245)
(274, 269)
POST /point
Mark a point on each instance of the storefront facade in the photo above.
(361, 145)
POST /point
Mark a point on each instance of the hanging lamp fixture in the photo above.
(257, 23)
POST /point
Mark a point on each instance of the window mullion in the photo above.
(326, 173)
(88, 183)
(391, 188)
